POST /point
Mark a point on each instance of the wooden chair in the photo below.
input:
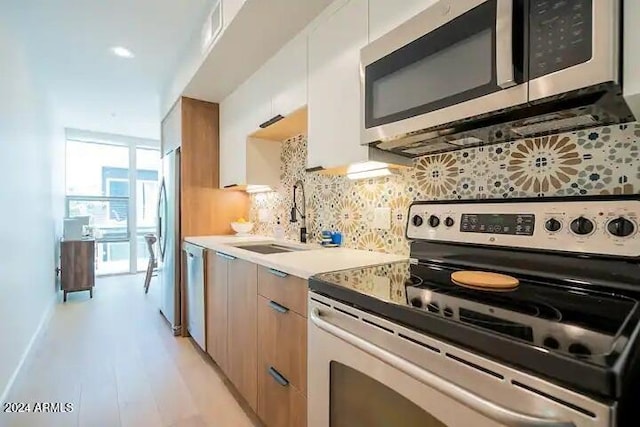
(153, 261)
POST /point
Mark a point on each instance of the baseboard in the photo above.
(44, 320)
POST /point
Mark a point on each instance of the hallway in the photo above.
(114, 359)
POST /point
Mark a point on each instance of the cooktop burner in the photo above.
(581, 323)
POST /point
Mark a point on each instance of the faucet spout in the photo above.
(303, 212)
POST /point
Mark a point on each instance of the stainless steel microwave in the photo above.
(472, 72)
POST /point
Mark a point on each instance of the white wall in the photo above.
(27, 212)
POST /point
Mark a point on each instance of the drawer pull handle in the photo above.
(277, 307)
(278, 273)
(277, 376)
(315, 169)
(225, 256)
(273, 120)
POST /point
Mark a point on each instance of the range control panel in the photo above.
(514, 224)
(588, 226)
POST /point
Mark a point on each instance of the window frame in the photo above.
(132, 178)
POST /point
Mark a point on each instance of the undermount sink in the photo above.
(270, 248)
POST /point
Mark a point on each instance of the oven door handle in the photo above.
(487, 408)
(505, 76)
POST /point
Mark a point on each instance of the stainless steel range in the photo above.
(405, 345)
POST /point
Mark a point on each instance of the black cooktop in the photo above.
(579, 328)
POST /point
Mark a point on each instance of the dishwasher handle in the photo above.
(453, 391)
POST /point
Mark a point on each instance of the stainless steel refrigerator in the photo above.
(169, 240)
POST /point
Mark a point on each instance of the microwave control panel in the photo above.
(561, 33)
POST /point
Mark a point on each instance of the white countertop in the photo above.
(304, 263)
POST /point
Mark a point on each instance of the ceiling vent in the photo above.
(212, 26)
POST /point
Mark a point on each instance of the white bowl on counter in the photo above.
(242, 228)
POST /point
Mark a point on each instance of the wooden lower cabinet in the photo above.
(256, 332)
(288, 290)
(216, 308)
(278, 405)
(282, 365)
(242, 282)
(282, 342)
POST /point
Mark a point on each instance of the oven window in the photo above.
(436, 77)
(360, 401)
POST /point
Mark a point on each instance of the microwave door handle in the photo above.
(505, 76)
(487, 408)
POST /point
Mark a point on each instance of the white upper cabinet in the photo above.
(233, 147)
(257, 100)
(385, 15)
(279, 87)
(245, 161)
(334, 87)
(288, 72)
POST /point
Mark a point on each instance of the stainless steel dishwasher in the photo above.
(194, 256)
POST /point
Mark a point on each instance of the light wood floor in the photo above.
(115, 360)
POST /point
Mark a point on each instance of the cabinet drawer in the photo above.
(282, 343)
(287, 290)
(279, 404)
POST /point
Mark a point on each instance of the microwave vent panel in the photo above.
(557, 125)
(430, 147)
(468, 140)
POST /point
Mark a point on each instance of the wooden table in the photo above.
(77, 264)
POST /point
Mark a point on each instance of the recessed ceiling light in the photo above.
(122, 52)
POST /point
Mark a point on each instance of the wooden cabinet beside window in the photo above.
(77, 266)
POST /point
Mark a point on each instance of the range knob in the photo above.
(621, 227)
(553, 225)
(582, 226)
(434, 221)
(449, 222)
(417, 220)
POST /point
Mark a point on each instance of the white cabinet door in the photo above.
(257, 99)
(288, 72)
(334, 87)
(385, 15)
(232, 142)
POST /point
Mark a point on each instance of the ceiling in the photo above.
(90, 88)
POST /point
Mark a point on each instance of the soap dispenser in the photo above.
(278, 231)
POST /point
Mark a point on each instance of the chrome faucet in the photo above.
(303, 213)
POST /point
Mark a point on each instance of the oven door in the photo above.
(456, 60)
(573, 45)
(367, 372)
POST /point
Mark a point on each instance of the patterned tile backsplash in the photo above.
(604, 160)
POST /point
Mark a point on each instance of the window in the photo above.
(99, 185)
(147, 190)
